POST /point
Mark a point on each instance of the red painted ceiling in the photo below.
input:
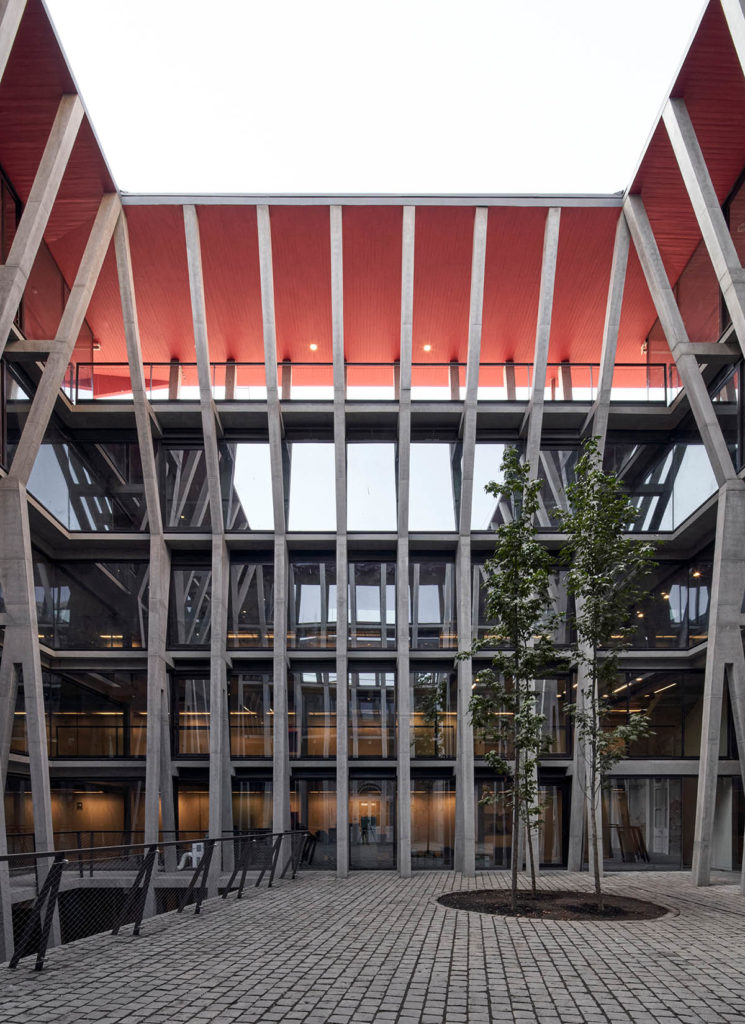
(711, 82)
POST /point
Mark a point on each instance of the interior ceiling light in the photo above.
(313, 347)
(696, 574)
(427, 348)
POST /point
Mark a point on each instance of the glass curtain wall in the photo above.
(372, 605)
(372, 714)
(190, 606)
(313, 806)
(312, 713)
(246, 486)
(251, 605)
(432, 605)
(432, 823)
(251, 712)
(372, 823)
(675, 614)
(434, 703)
(252, 804)
(192, 704)
(96, 714)
(371, 486)
(183, 488)
(312, 609)
(494, 825)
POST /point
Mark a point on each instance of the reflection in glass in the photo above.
(486, 630)
(486, 512)
(432, 605)
(96, 714)
(251, 710)
(312, 610)
(252, 804)
(91, 487)
(19, 737)
(434, 703)
(84, 605)
(643, 823)
(371, 486)
(372, 714)
(246, 486)
(675, 613)
(372, 605)
(494, 825)
(313, 806)
(556, 468)
(433, 486)
(251, 605)
(190, 607)
(432, 823)
(372, 823)
(674, 702)
(193, 716)
(312, 713)
(185, 494)
(312, 486)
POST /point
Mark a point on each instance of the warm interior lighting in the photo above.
(696, 574)
(668, 687)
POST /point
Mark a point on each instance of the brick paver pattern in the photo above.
(379, 948)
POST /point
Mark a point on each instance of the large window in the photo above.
(91, 487)
(486, 512)
(312, 504)
(190, 606)
(312, 713)
(312, 609)
(432, 605)
(434, 486)
(313, 806)
(246, 485)
(371, 486)
(251, 708)
(372, 605)
(434, 703)
(184, 489)
(494, 825)
(372, 714)
(251, 605)
(675, 612)
(84, 605)
(432, 822)
(91, 713)
(192, 705)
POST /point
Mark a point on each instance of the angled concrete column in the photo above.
(533, 422)
(403, 687)
(708, 212)
(677, 338)
(11, 12)
(159, 808)
(734, 11)
(14, 273)
(597, 418)
(220, 797)
(724, 659)
(62, 347)
(281, 757)
(465, 823)
(342, 561)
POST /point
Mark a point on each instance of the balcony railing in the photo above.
(498, 382)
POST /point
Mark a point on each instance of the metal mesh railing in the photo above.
(59, 897)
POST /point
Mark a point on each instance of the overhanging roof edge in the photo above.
(351, 199)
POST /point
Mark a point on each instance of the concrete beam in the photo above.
(677, 338)
(11, 12)
(734, 12)
(14, 273)
(533, 421)
(64, 342)
(708, 212)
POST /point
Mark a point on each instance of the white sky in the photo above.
(389, 96)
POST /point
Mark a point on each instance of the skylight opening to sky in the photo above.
(396, 96)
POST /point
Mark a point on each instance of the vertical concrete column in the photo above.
(403, 687)
(597, 423)
(14, 273)
(342, 562)
(724, 660)
(220, 802)
(159, 808)
(281, 759)
(465, 823)
(533, 421)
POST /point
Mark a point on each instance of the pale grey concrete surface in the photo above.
(379, 948)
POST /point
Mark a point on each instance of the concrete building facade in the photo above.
(244, 447)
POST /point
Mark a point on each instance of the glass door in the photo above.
(372, 824)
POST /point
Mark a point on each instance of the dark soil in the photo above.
(554, 905)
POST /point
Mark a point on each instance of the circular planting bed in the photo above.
(557, 905)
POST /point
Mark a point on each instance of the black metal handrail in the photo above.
(268, 845)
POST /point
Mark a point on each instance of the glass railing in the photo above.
(501, 382)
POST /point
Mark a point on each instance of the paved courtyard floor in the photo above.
(377, 948)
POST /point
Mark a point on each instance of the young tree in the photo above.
(605, 570)
(519, 603)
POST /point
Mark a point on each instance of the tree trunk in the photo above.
(529, 822)
(515, 829)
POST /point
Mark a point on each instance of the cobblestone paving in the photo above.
(377, 948)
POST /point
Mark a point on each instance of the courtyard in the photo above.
(379, 948)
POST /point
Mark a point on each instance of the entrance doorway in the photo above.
(372, 824)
